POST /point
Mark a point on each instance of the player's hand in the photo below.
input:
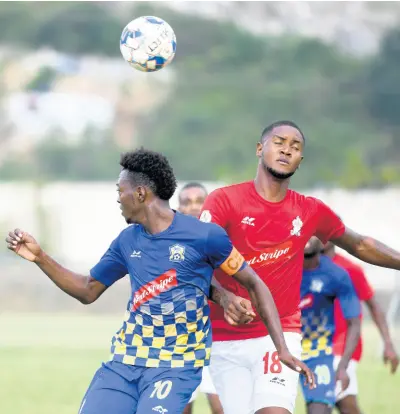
(237, 310)
(390, 357)
(23, 244)
(342, 377)
(296, 365)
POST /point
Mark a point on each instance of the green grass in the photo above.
(47, 363)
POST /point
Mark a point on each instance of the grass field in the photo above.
(47, 362)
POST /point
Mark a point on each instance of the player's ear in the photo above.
(301, 160)
(259, 148)
(141, 193)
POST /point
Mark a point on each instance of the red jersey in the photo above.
(271, 237)
(364, 292)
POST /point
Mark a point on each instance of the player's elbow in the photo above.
(86, 299)
(88, 296)
(90, 291)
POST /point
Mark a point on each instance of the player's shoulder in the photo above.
(197, 227)
(355, 271)
(334, 270)
(128, 232)
(232, 190)
(307, 202)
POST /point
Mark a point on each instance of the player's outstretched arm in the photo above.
(389, 352)
(368, 249)
(264, 303)
(83, 288)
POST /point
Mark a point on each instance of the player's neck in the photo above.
(311, 264)
(157, 217)
(269, 187)
(330, 253)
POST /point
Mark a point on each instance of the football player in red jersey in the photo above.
(270, 224)
(346, 401)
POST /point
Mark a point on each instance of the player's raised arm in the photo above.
(86, 289)
(368, 249)
(330, 227)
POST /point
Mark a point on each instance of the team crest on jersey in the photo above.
(297, 225)
(316, 286)
(177, 253)
(205, 216)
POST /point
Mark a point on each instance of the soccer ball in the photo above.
(148, 43)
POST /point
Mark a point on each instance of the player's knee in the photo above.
(188, 409)
(318, 408)
(348, 405)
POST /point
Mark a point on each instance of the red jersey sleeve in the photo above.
(329, 225)
(364, 290)
(216, 209)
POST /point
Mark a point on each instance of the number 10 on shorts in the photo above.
(272, 364)
(161, 389)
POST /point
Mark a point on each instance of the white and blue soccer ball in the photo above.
(148, 43)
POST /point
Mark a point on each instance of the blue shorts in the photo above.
(117, 388)
(324, 372)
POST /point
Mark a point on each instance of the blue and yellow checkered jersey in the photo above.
(319, 288)
(167, 322)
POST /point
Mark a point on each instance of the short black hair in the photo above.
(194, 184)
(150, 169)
(276, 124)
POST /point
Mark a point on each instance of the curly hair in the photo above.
(150, 169)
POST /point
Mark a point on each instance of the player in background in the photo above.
(191, 199)
(346, 401)
(322, 283)
(158, 354)
(270, 225)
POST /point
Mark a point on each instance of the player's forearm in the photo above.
(352, 338)
(380, 321)
(369, 250)
(73, 284)
(264, 303)
(216, 292)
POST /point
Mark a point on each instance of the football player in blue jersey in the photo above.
(158, 354)
(322, 283)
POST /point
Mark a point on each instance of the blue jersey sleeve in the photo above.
(347, 296)
(111, 266)
(221, 253)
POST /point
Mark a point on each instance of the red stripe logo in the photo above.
(307, 301)
(157, 286)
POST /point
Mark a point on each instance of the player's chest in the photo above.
(256, 229)
(316, 293)
(159, 260)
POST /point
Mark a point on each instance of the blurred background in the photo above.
(69, 105)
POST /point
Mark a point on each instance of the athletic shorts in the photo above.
(206, 386)
(123, 389)
(248, 375)
(352, 389)
(324, 372)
